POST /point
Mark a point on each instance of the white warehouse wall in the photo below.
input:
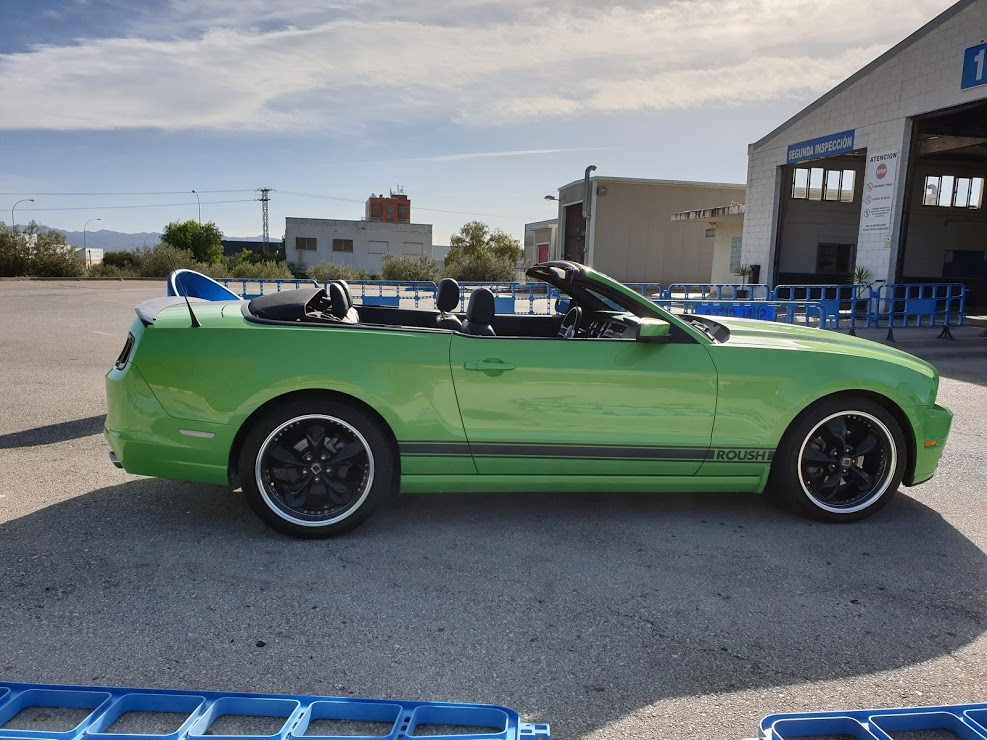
(921, 76)
(371, 241)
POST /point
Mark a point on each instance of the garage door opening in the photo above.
(819, 220)
(944, 230)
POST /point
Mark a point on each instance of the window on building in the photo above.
(735, 245)
(816, 183)
(834, 259)
(950, 191)
(413, 248)
(306, 243)
(377, 247)
(342, 245)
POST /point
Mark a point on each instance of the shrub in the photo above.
(260, 271)
(420, 268)
(121, 260)
(482, 267)
(326, 271)
(14, 252)
(162, 259)
(110, 271)
(52, 257)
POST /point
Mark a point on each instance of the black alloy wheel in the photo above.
(315, 472)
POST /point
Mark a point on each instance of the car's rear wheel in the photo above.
(315, 468)
(841, 460)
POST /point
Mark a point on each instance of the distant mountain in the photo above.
(116, 241)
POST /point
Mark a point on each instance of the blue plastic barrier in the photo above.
(718, 291)
(263, 286)
(853, 303)
(395, 720)
(964, 721)
(920, 304)
(801, 313)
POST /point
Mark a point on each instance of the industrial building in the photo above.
(629, 232)
(359, 244)
(885, 172)
(387, 229)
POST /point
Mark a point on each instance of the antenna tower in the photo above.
(264, 200)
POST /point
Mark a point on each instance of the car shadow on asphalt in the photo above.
(574, 608)
(51, 433)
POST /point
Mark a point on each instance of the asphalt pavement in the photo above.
(610, 616)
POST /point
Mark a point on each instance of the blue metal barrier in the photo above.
(920, 304)
(648, 290)
(850, 302)
(392, 292)
(240, 286)
(718, 291)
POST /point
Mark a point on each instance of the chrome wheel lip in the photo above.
(274, 507)
(889, 473)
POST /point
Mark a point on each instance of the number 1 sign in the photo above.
(974, 67)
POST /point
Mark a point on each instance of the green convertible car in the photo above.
(321, 410)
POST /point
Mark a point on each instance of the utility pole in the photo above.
(264, 200)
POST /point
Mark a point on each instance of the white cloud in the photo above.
(251, 65)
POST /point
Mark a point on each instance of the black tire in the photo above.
(316, 468)
(841, 460)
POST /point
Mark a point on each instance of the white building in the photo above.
(885, 172)
(539, 240)
(89, 256)
(359, 244)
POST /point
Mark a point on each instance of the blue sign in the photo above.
(825, 146)
(974, 67)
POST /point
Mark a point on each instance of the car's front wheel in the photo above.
(315, 468)
(841, 460)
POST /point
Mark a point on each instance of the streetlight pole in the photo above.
(22, 200)
(200, 206)
(84, 231)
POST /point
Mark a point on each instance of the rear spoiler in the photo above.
(149, 310)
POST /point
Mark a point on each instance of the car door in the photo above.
(584, 406)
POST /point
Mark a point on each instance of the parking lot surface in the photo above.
(610, 616)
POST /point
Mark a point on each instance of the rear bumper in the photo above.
(931, 431)
(145, 440)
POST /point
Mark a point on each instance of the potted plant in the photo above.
(743, 272)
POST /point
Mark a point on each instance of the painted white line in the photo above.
(104, 333)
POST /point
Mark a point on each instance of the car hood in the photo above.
(764, 334)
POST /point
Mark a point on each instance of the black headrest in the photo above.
(447, 296)
(481, 307)
(340, 300)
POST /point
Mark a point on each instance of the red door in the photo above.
(543, 253)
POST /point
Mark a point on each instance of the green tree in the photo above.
(476, 240)
(51, 255)
(202, 240)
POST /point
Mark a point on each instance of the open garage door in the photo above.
(944, 230)
(819, 221)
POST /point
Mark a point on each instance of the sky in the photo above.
(116, 110)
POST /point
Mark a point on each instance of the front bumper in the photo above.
(931, 427)
(145, 440)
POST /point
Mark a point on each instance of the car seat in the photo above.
(479, 313)
(447, 301)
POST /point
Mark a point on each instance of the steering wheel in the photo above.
(571, 322)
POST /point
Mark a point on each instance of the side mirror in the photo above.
(652, 330)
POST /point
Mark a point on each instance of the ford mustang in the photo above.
(321, 410)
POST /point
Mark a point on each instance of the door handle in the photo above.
(490, 366)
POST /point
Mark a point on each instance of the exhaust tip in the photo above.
(116, 461)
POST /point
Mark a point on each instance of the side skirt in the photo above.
(580, 484)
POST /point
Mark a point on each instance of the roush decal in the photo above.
(597, 452)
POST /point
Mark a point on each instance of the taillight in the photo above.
(128, 347)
